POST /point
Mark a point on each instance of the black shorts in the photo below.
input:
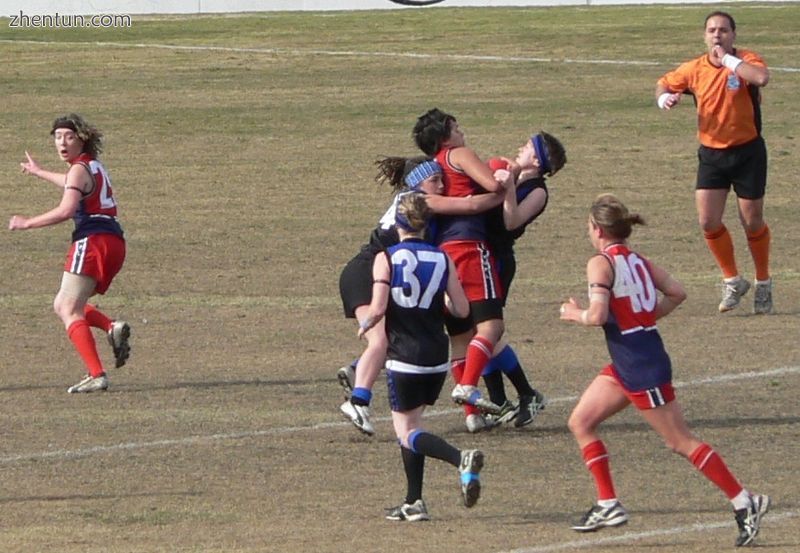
(408, 391)
(479, 311)
(744, 167)
(355, 284)
(507, 268)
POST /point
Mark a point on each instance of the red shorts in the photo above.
(644, 399)
(99, 256)
(476, 269)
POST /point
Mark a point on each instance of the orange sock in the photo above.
(721, 245)
(80, 334)
(708, 461)
(96, 318)
(758, 242)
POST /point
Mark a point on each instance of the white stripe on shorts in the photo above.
(78, 256)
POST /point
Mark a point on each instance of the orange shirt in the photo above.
(726, 115)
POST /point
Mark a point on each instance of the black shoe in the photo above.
(749, 519)
(412, 512)
(598, 517)
(529, 407)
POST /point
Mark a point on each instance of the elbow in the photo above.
(759, 79)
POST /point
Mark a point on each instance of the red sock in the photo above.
(708, 461)
(595, 457)
(96, 318)
(80, 334)
(479, 352)
(457, 368)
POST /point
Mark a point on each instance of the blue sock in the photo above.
(507, 360)
(412, 437)
(361, 396)
(491, 367)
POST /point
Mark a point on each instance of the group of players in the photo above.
(442, 258)
(455, 213)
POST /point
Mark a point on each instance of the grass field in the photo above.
(241, 151)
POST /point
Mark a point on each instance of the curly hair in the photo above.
(393, 170)
(91, 137)
(431, 129)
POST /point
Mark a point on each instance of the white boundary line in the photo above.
(195, 440)
(635, 536)
(354, 53)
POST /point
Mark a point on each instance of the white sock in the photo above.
(606, 503)
(742, 500)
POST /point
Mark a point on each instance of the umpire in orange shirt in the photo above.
(725, 83)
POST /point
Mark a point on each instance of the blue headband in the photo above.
(424, 170)
(541, 153)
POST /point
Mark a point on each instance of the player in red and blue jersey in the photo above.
(624, 300)
(98, 246)
(464, 239)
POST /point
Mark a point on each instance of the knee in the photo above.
(60, 307)
(403, 437)
(579, 425)
(710, 226)
(753, 227)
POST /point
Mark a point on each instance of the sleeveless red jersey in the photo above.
(97, 211)
(636, 349)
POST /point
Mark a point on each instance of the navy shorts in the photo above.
(408, 391)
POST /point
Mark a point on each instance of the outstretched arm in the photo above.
(30, 167)
(470, 205)
(76, 182)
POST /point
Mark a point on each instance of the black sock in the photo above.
(494, 384)
(520, 381)
(414, 465)
(433, 446)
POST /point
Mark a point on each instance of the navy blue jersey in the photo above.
(415, 314)
(500, 239)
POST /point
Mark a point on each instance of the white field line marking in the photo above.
(635, 536)
(191, 440)
(353, 53)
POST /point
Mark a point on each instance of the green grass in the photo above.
(245, 177)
